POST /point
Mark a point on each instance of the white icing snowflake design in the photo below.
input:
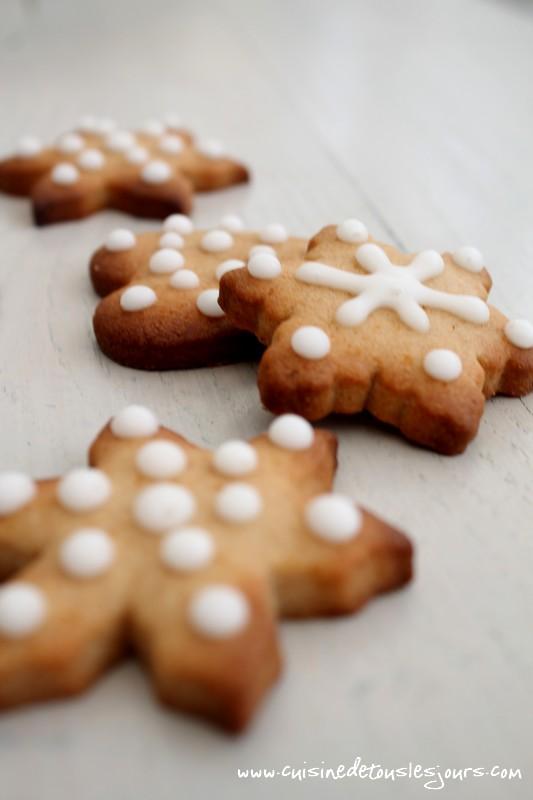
(395, 287)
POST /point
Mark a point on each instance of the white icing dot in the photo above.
(353, 231)
(106, 125)
(211, 148)
(161, 459)
(264, 266)
(187, 549)
(120, 141)
(179, 223)
(152, 127)
(156, 172)
(134, 422)
(228, 266)
(22, 609)
(274, 234)
(70, 143)
(238, 502)
(100, 126)
(185, 279)
(91, 159)
(163, 506)
(333, 517)
(16, 491)
(291, 432)
(29, 146)
(232, 223)
(170, 144)
(88, 124)
(235, 458)
(468, 258)
(137, 155)
(443, 365)
(87, 553)
(120, 239)
(171, 239)
(219, 611)
(216, 240)
(173, 120)
(520, 333)
(137, 298)
(166, 260)
(311, 342)
(207, 303)
(64, 174)
(84, 489)
(261, 248)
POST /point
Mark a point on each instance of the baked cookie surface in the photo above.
(152, 172)
(185, 555)
(160, 308)
(359, 325)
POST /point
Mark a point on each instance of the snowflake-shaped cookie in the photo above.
(359, 325)
(185, 555)
(161, 306)
(152, 172)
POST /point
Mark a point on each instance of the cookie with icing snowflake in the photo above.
(187, 557)
(152, 172)
(160, 308)
(359, 325)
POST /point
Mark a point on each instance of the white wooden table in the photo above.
(417, 117)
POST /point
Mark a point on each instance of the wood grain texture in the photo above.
(415, 117)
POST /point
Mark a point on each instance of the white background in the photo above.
(417, 117)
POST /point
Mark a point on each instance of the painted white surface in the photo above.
(415, 116)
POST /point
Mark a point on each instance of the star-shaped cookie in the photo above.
(186, 556)
(359, 325)
(152, 172)
(161, 306)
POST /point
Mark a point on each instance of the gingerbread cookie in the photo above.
(149, 173)
(359, 325)
(185, 555)
(161, 306)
